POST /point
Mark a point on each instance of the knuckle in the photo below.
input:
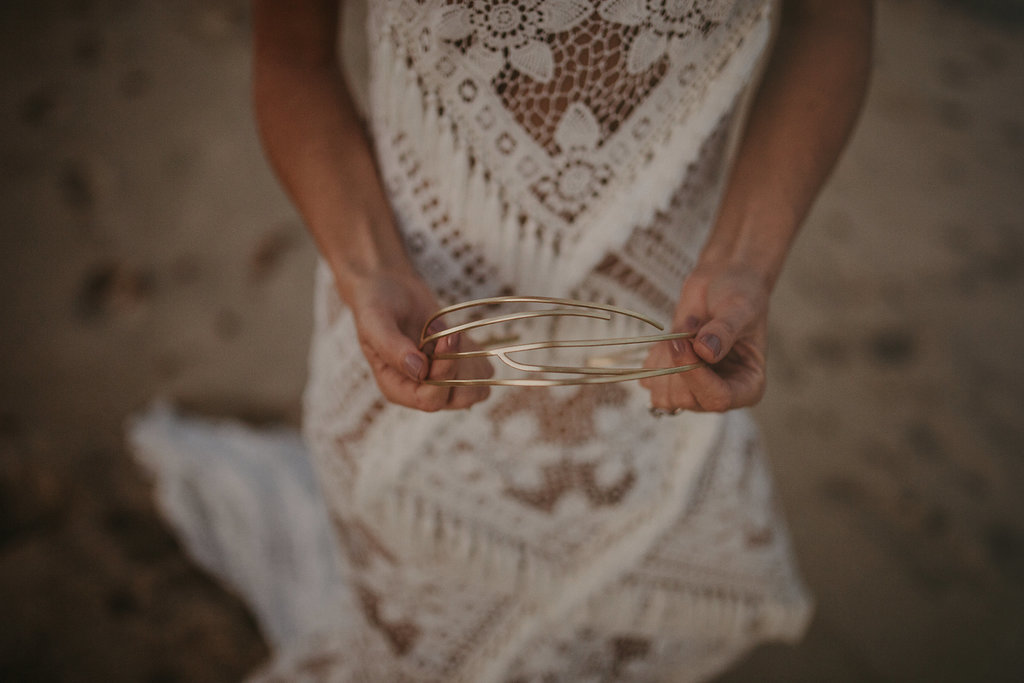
(430, 406)
(460, 400)
(367, 347)
(743, 313)
(727, 328)
(685, 403)
(716, 404)
(395, 398)
(366, 337)
(391, 395)
(432, 402)
(664, 401)
(442, 369)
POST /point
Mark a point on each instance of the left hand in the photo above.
(727, 307)
(389, 310)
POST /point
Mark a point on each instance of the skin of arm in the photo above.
(319, 149)
(802, 115)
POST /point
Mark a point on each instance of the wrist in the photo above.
(754, 241)
(361, 252)
(753, 266)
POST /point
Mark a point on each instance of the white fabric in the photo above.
(562, 168)
(246, 505)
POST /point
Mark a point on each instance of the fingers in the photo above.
(691, 310)
(380, 334)
(716, 337)
(441, 368)
(398, 365)
(400, 368)
(432, 398)
(429, 397)
(733, 381)
(744, 371)
(464, 397)
(710, 392)
(667, 394)
(470, 368)
(700, 389)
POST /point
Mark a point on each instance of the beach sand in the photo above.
(147, 251)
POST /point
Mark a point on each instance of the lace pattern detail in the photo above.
(528, 147)
(531, 125)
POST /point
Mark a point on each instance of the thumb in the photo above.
(716, 338)
(381, 333)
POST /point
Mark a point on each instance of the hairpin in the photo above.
(603, 369)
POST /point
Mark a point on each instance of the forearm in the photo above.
(802, 115)
(319, 149)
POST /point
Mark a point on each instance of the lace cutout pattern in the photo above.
(590, 78)
(541, 118)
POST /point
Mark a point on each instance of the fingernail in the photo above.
(453, 341)
(678, 347)
(414, 366)
(690, 324)
(712, 342)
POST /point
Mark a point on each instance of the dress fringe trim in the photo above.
(417, 126)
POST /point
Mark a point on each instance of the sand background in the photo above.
(145, 250)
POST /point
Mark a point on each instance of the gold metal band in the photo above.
(598, 370)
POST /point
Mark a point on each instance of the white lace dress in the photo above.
(563, 148)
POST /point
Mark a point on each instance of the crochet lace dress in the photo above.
(566, 148)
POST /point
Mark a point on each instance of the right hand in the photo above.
(390, 310)
(725, 307)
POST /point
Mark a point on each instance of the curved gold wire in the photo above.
(484, 322)
(563, 344)
(563, 381)
(488, 301)
(596, 371)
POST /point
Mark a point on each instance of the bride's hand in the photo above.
(390, 310)
(726, 307)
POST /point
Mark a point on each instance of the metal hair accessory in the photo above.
(596, 370)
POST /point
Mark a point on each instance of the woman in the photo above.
(624, 151)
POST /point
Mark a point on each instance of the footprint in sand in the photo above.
(892, 347)
(36, 108)
(270, 250)
(112, 288)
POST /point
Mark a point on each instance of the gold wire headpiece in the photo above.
(597, 370)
